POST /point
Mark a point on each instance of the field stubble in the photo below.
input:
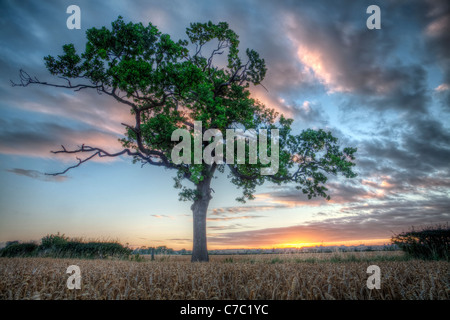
(265, 277)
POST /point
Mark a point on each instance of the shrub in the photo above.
(8, 243)
(19, 250)
(54, 241)
(429, 243)
(78, 249)
(60, 246)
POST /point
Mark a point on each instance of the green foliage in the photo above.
(169, 84)
(137, 257)
(54, 241)
(19, 250)
(60, 246)
(161, 250)
(307, 159)
(429, 243)
(8, 243)
(93, 250)
(276, 260)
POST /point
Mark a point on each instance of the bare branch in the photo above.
(148, 158)
(100, 153)
(129, 127)
(26, 79)
(118, 98)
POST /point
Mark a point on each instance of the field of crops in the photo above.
(299, 276)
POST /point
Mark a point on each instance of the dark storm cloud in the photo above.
(421, 150)
(402, 88)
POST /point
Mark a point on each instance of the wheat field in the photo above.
(266, 277)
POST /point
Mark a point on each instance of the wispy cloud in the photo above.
(162, 216)
(233, 218)
(341, 193)
(37, 175)
(244, 209)
(235, 226)
(358, 223)
(38, 139)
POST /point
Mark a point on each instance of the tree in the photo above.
(168, 85)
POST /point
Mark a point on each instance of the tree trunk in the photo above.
(199, 211)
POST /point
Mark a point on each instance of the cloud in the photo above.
(435, 205)
(161, 216)
(364, 223)
(417, 155)
(37, 175)
(340, 193)
(245, 209)
(345, 57)
(443, 87)
(233, 213)
(331, 53)
(96, 111)
(233, 218)
(37, 139)
(235, 226)
(310, 113)
(438, 37)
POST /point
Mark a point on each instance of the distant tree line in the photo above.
(154, 250)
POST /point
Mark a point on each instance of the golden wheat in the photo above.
(224, 277)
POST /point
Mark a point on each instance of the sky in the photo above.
(384, 91)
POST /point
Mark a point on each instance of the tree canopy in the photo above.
(168, 85)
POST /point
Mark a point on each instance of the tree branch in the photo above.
(101, 153)
(26, 79)
(236, 172)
